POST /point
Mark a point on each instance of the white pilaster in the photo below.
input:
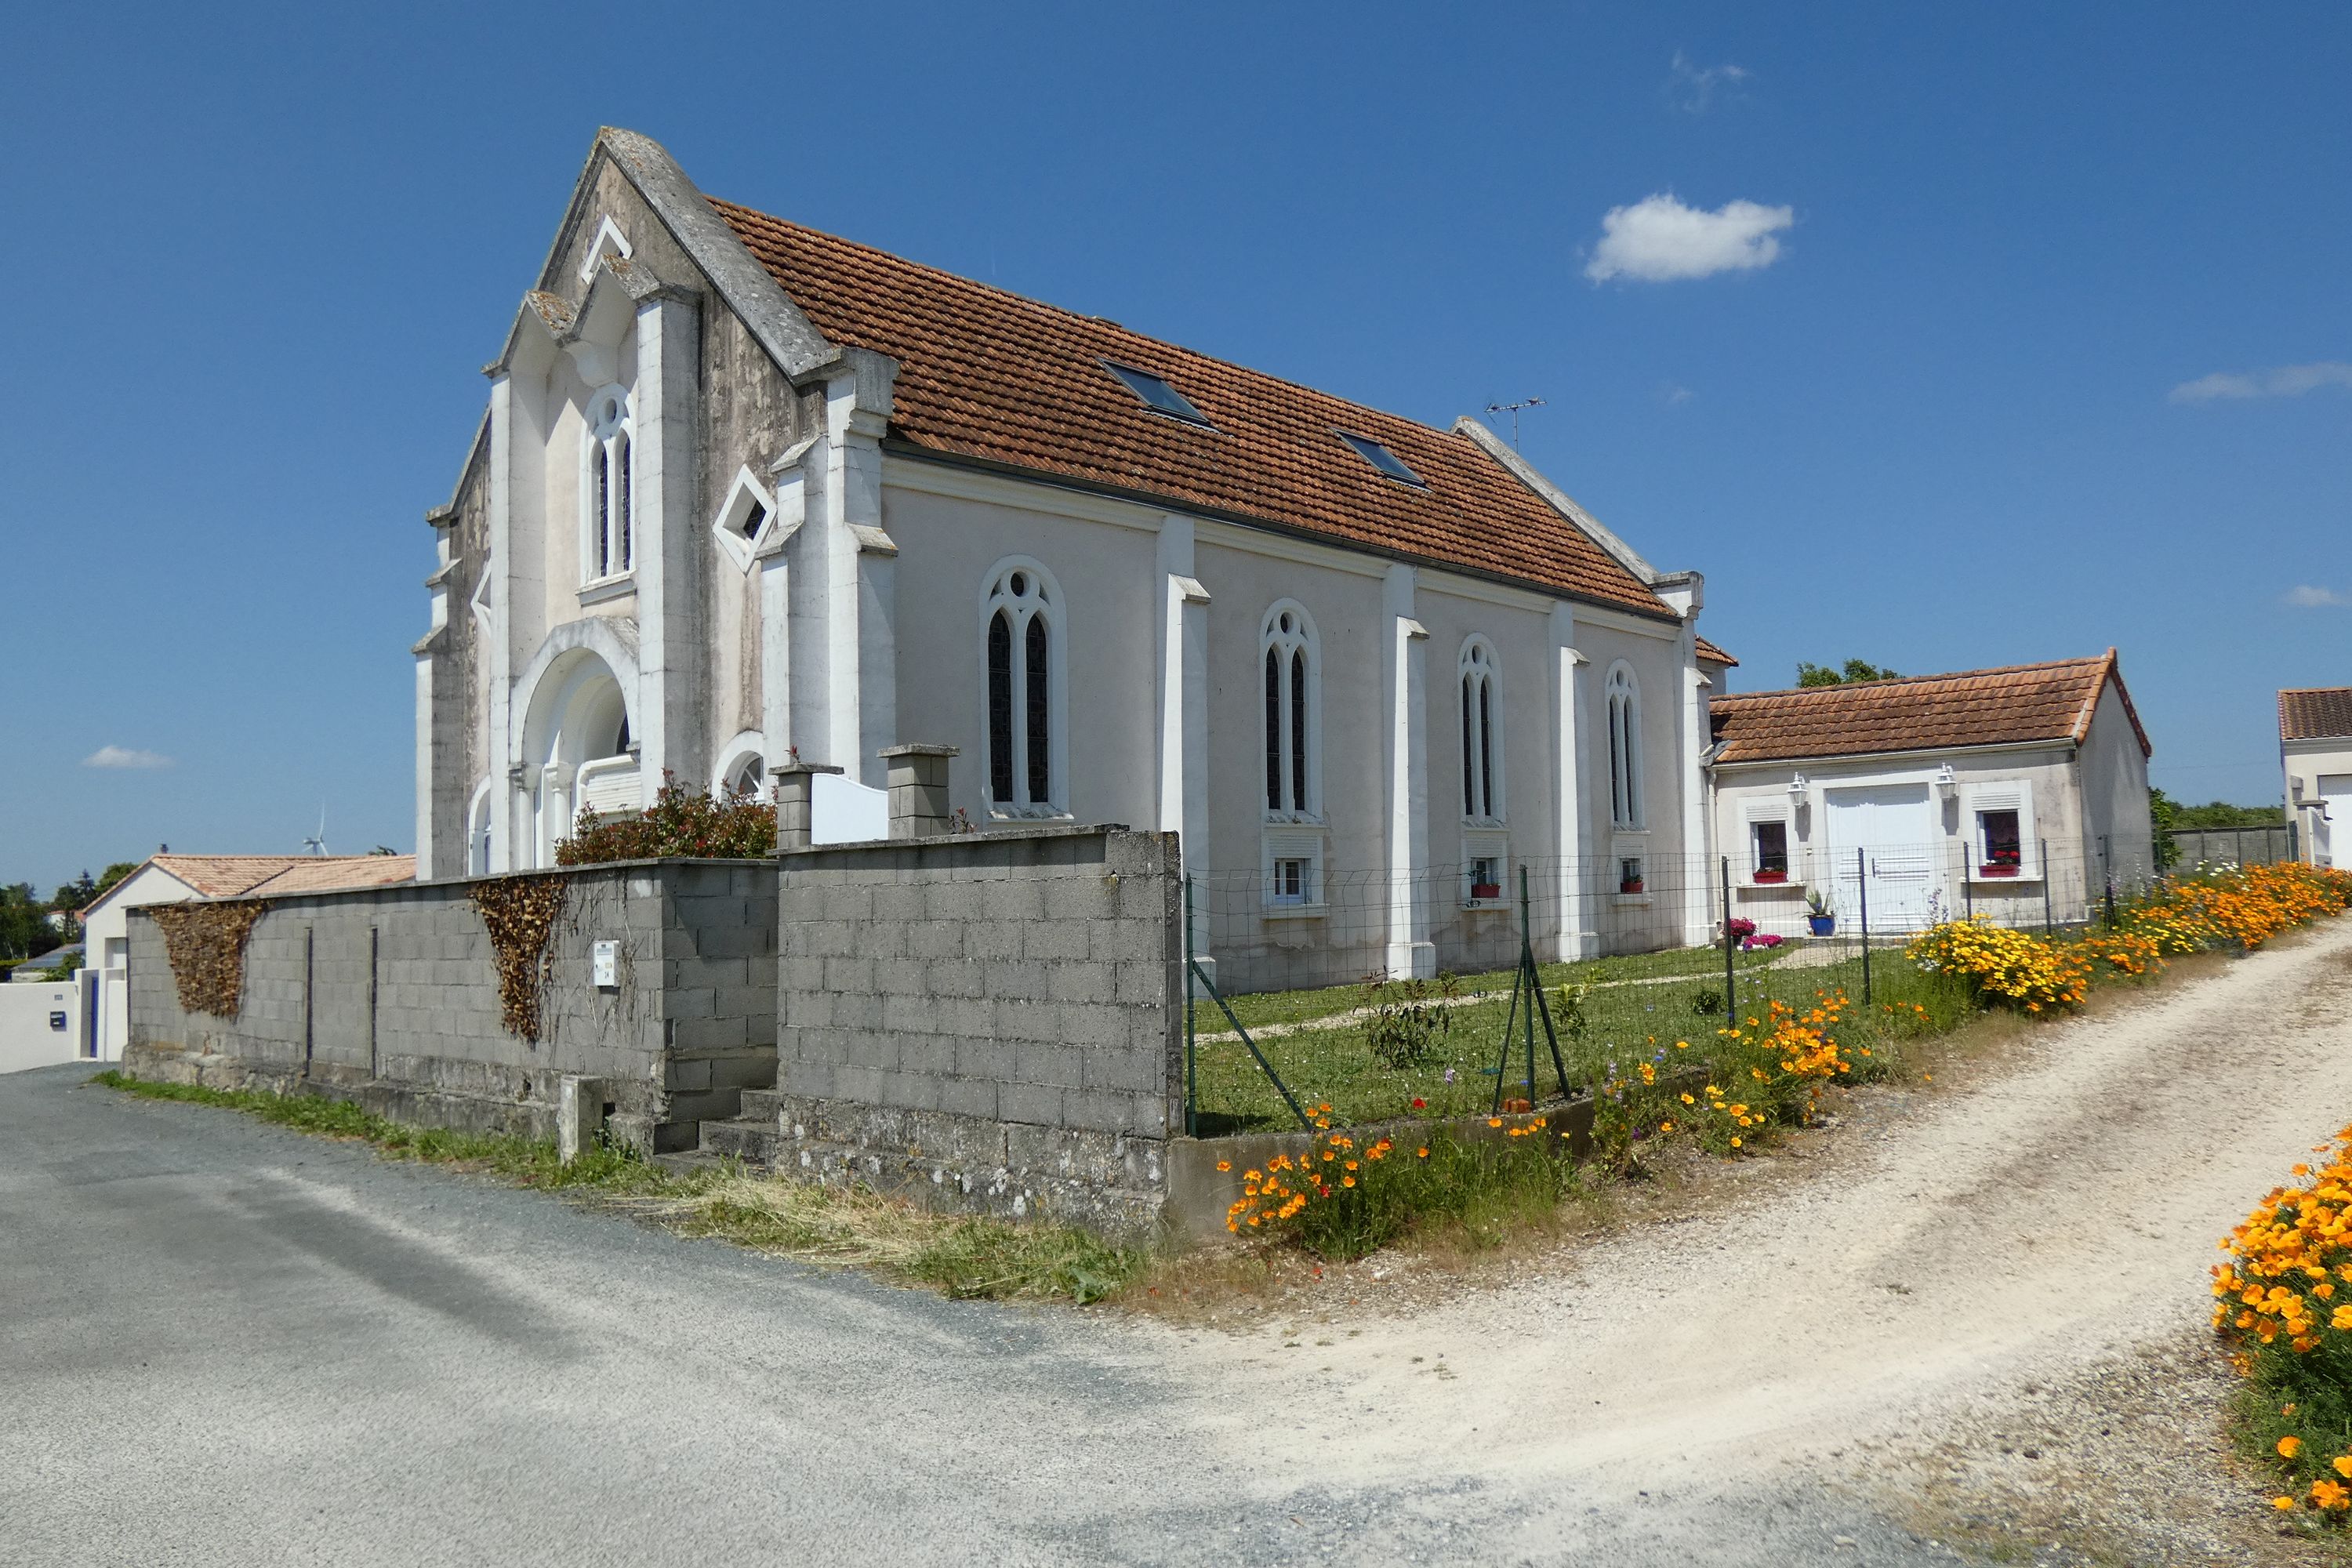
(1405, 656)
(1184, 691)
(852, 692)
(428, 765)
(1685, 592)
(663, 549)
(1572, 916)
(497, 649)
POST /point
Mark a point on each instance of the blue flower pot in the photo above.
(1823, 925)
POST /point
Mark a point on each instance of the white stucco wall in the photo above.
(29, 1012)
(2054, 835)
(107, 947)
(2321, 840)
(2117, 832)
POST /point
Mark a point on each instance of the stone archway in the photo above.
(575, 748)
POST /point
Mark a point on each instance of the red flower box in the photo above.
(1997, 870)
(1486, 890)
(1763, 878)
(1632, 887)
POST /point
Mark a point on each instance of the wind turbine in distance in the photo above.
(316, 842)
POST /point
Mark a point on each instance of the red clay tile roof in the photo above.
(233, 876)
(989, 375)
(1714, 655)
(334, 873)
(2315, 712)
(2014, 705)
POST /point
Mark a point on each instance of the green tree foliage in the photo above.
(1853, 671)
(25, 929)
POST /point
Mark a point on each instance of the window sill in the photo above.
(1296, 911)
(607, 588)
(1766, 887)
(1631, 901)
(1475, 906)
(1028, 814)
(1295, 819)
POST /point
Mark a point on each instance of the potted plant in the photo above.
(2000, 863)
(1630, 884)
(1818, 915)
(1481, 892)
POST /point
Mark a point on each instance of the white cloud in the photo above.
(124, 757)
(2304, 596)
(1693, 87)
(1658, 239)
(2282, 381)
(1674, 394)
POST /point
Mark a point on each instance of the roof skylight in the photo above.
(1383, 459)
(1156, 393)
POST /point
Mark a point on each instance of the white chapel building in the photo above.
(746, 493)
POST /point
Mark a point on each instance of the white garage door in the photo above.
(1881, 839)
(2331, 841)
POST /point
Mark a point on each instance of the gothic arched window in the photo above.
(1291, 662)
(1023, 631)
(1624, 713)
(607, 548)
(1481, 739)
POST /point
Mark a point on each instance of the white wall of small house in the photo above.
(1742, 793)
(2117, 829)
(106, 938)
(2320, 841)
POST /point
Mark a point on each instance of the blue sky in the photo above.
(1932, 414)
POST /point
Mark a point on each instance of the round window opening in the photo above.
(1019, 585)
(1286, 622)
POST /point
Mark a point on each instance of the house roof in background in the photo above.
(2012, 705)
(2314, 712)
(233, 876)
(1714, 655)
(989, 376)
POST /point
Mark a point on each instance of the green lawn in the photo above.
(1322, 1002)
(1622, 1024)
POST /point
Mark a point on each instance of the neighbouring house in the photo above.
(749, 499)
(2014, 790)
(167, 878)
(2316, 756)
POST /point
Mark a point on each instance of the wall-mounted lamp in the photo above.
(1947, 783)
(1796, 787)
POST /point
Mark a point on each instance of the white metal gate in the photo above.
(1893, 828)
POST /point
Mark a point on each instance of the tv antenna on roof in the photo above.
(316, 842)
(1513, 410)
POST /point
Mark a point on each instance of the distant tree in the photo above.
(114, 873)
(1854, 670)
(2220, 814)
(24, 928)
(2163, 816)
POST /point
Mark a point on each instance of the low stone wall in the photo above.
(389, 996)
(997, 1018)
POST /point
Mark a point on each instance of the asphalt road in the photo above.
(224, 1342)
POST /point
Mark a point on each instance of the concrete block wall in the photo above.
(1027, 977)
(984, 988)
(390, 996)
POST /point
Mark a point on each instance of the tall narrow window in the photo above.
(1293, 727)
(1624, 708)
(1022, 611)
(1482, 795)
(1000, 706)
(606, 487)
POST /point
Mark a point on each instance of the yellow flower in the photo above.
(2343, 1463)
(1494, 1122)
(1224, 1164)
(2283, 1503)
(1735, 1143)
(2330, 1495)
(2289, 1447)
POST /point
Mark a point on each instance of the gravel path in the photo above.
(1984, 1312)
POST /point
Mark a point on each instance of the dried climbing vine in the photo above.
(520, 912)
(205, 945)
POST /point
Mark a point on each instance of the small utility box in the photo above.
(604, 965)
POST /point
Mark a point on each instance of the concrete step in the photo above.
(748, 1139)
(689, 1162)
(762, 1104)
